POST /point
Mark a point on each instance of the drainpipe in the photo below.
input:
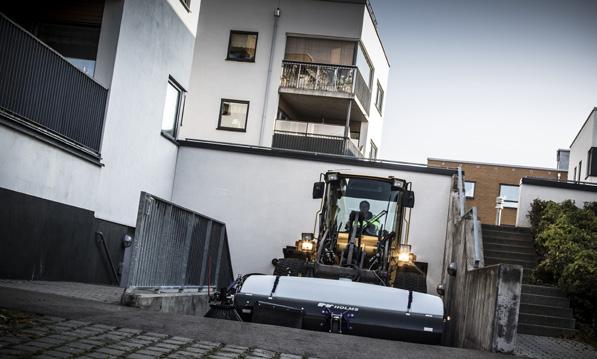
(269, 76)
(347, 126)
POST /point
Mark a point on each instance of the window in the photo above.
(592, 162)
(510, 195)
(172, 108)
(379, 97)
(373, 151)
(469, 189)
(364, 65)
(186, 4)
(242, 46)
(322, 51)
(574, 177)
(579, 170)
(233, 115)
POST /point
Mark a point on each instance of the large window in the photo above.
(510, 195)
(379, 97)
(364, 65)
(242, 46)
(469, 189)
(373, 152)
(322, 51)
(592, 162)
(172, 108)
(233, 115)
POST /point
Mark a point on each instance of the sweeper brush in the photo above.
(341, 306)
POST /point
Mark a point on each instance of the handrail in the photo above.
(316, 64)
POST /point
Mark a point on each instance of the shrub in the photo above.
(566, 240)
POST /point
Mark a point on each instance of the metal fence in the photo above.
(176, 247)
(40, 86)
(310, 76)
(315, 143)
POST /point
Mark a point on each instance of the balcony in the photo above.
(325, 80)
(314, 137)
(42, 93)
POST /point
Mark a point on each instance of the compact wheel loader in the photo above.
(357, 276)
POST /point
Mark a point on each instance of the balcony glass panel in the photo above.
(322, 51)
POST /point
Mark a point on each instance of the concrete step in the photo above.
(497, 260)
(509, 242)
(492, 246)
(493, 227)
(542, 290)
(544, 300)
(535, 319)
(544, 330)
(544, 309)
(513, 236)
(512, 254)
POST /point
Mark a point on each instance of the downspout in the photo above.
(269, 76)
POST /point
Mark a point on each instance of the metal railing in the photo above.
(40, 86)
(328, 78)
(176, 248)
(309, 142)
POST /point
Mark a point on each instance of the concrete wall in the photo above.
(153, 44)
(585, 139)
(530, 192)
(266, 203)
(36, 168)
(215, 78)
(142, 43)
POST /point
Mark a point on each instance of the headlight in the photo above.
(331, 176)
(404, 254)
(305, 246)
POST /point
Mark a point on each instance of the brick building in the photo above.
(486, 181)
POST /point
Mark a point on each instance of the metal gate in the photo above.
(177, 248)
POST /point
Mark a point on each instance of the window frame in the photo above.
(373, 146)
(242, 32)
(474, 189)
(378, 103)
(506, 203)
(579, 170)
(182, 94)
(591, 162)
(234, 129)
(186, 4)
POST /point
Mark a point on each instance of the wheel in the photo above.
(290, 266)
(411, 280)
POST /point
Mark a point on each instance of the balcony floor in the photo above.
(315, 105)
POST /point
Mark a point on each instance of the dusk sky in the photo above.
(505, 81)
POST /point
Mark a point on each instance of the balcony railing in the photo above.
(314, 137)
(327, 78)
(40, 87)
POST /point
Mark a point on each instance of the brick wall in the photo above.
(487, 178)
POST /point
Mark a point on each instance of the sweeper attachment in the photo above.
(341, 306)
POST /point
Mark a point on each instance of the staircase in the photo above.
(544, 310)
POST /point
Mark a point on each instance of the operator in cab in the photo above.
(366, 223)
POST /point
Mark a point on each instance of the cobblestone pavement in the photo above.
(33, 336)
(532, 346)
(95, 292)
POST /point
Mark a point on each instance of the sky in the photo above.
(501, 81)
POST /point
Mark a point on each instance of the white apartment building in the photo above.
(306, 75)
(583, 152)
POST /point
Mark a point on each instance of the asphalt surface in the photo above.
(250, 335)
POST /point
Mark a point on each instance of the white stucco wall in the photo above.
(529, 192)
(214, 78)
(375, 51)
(586, 138)
(152, 42)
(33, 167)
(266, 203)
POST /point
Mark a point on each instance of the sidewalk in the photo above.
(121, 327)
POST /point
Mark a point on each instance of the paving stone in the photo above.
(81, 345)
(5, 352)
(26, 348)
(185, 354)
(52, 340)
(11, 339)
(150, 352)
(57, 354)
(129, 330)
(198, 350)
(140, 356)
(157, 335)
(168, 345)
(290, 356)
(40, 344)
(102, 326)
(260, 353)
(158, 349)
(147, 338)
(224, 356)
